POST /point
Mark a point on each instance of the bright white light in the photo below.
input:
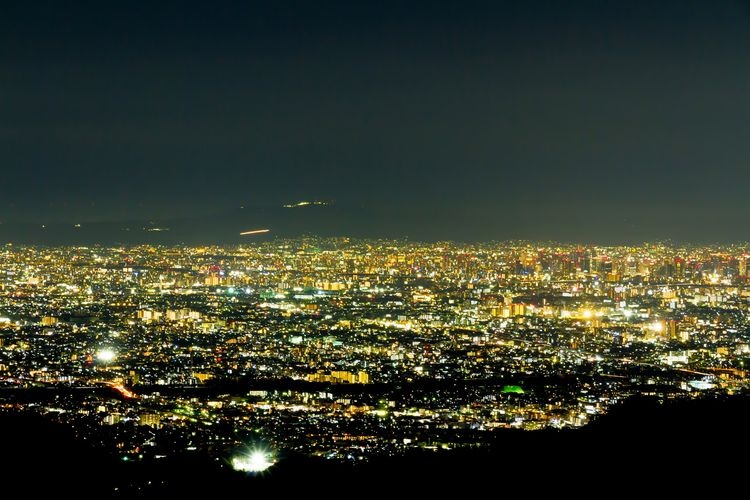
(254, 461)
(657, 326)
(106, 355)
(701, 385)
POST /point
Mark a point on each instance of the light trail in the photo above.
(254, 231)
(124, 391)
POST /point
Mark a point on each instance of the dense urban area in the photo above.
(353, 349)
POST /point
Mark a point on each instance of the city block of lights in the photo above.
(351, 349)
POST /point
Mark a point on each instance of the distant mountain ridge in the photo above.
(450, 222)
(219, 227)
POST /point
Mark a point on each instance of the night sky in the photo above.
(579, 121)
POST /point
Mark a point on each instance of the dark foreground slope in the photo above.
(641, 447)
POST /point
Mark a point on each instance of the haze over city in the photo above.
(577, 121)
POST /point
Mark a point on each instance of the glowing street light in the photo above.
(657, 327)
(255, 461)
(106, 355)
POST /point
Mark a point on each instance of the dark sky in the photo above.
(594, 121)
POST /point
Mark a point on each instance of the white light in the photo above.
(657, 326)
(255, 461)
(106, 355)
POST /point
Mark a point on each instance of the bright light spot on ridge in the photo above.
(305, 203)
(255, 461)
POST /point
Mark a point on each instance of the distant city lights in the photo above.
(305, 204)
(425, 329)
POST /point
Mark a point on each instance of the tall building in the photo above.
(672, 329)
